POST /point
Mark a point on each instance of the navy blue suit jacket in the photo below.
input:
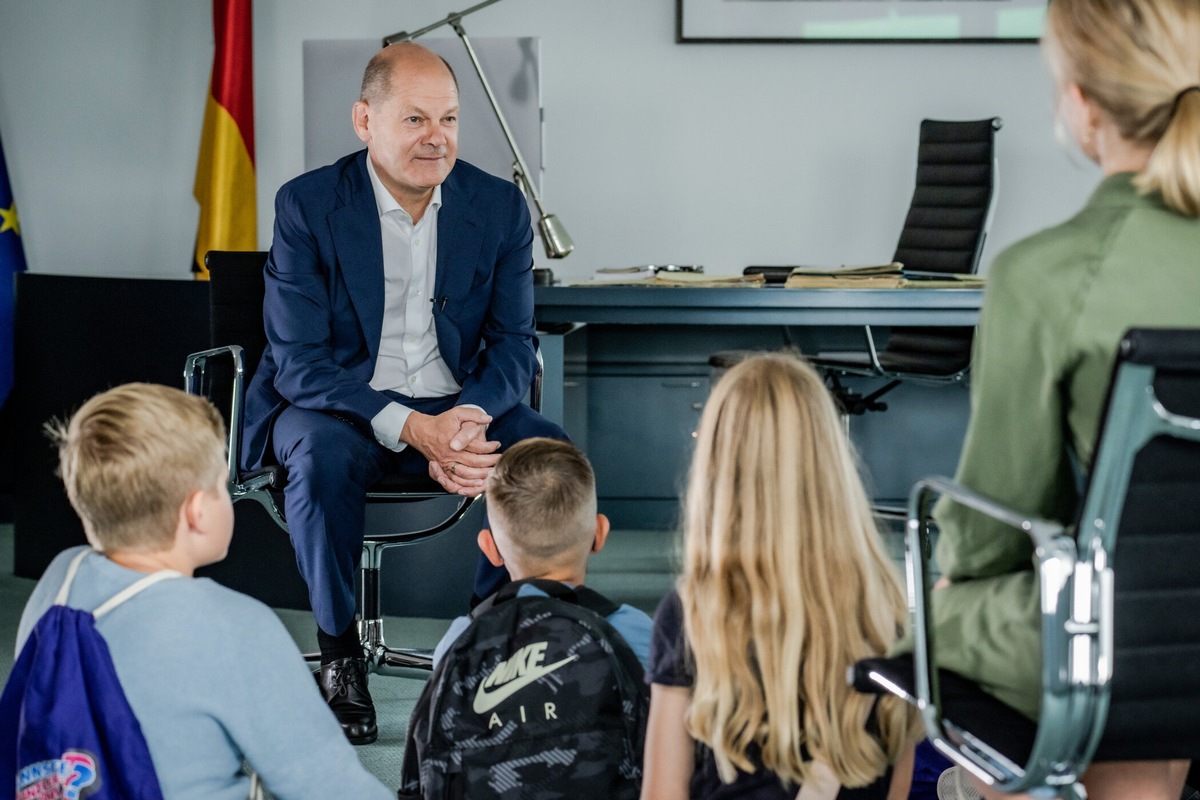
(323, 308)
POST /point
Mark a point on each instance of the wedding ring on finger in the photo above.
(453, 467)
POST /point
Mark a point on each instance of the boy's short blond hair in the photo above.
(543, 494)
(131, 456)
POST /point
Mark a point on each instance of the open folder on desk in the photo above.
(883, 276)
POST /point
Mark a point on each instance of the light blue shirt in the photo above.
(634, 625)
(214, 679)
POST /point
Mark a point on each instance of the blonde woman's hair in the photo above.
(785, 582)
(543, 492)
(130, 457)
(1139, 60)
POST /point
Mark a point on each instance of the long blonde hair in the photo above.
(785, 582)
(1139, 60)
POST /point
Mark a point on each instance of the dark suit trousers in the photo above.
(330, 463)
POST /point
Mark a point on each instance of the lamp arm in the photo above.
(508, 136)
(405, 36)
(555, 237)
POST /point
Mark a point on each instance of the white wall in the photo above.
(723, 155)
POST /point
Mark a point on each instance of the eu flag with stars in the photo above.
(12, 261)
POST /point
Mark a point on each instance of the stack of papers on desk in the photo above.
(883, 276)
(699, 279)
(623, 274)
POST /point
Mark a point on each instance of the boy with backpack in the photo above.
(132, 675)
(539, 693)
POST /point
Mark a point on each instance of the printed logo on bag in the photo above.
(71, 777)
(511, 676)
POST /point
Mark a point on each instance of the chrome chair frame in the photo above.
(1076, 584)
(263, 486)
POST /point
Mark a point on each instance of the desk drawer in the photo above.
(640, 432)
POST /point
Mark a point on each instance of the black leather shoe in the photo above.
(344, 686)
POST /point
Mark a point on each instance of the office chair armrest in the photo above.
(194, 373)
(1057, 562)
(872, 351)
(535, 388)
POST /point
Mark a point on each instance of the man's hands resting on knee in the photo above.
(455, 442)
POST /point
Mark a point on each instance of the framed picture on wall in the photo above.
(776, 21)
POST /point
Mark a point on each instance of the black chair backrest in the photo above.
(928, 351)
(1155, 706)
(236, 302)
(948, 216)
(944, 232)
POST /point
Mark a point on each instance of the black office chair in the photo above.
(1119, 593)
(221, 373)
(944, 232)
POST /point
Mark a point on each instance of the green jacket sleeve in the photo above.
(1015, 449)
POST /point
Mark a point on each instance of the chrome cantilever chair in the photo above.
(221, 373)
(944, 232)
(1119, 596)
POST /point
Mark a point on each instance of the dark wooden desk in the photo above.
(640, 305)
(626, 372)
(686, 306)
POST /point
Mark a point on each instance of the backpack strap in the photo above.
(118, 598)
(61, 598)
(133, 589)
(578, 595)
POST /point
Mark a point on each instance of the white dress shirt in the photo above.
(408, 360)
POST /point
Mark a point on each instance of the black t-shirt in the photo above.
(669, 667)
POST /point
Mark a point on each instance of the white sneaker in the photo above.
(953, 785)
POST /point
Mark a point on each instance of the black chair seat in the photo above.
(935, 364)
(414, 483)
(276, 477)
(964, 704)
(407, 483)
(914, 351)
(1117, 587)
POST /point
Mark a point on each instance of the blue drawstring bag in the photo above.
(66, 730)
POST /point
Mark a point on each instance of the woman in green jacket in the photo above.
(1056, 306)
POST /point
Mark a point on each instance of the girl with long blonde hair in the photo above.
(785, 584)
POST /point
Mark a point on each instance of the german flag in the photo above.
(225, 170)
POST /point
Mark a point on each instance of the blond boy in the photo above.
(542, 509)
(212, 675)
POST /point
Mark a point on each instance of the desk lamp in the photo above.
(555, 237)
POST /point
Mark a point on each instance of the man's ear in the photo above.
(359, 117)
(602, 528)
(487, 543)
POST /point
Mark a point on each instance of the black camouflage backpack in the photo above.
(540, 698)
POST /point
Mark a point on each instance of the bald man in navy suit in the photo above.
(399, 319)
